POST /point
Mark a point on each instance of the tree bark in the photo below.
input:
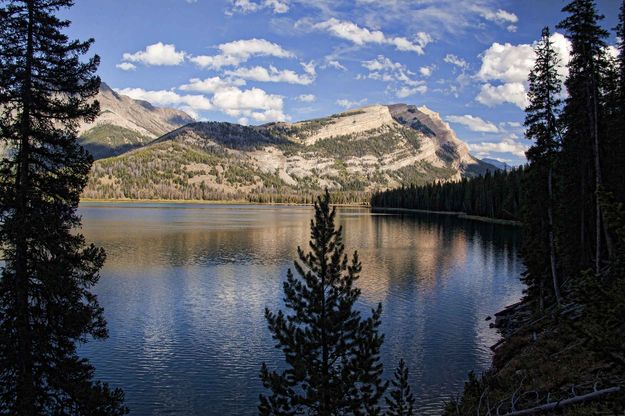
(552, 243)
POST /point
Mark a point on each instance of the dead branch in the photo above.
(566, 402)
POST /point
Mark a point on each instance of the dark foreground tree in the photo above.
(46, 306)
(332, 354)
(541, 121)
(401, 400)
(583, 144)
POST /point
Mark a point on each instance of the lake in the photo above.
(185, 286)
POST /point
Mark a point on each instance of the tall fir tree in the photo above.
(332, 354)
(400, 401)
(46, 306)
(583, 139)
(615, 103)
(542, 127)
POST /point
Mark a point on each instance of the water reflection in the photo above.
(185, 286)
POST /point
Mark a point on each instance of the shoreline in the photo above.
(460, 215)
(210, 202)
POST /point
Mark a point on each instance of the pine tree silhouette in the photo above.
(46, 306)
(401, 401)
(332, 354)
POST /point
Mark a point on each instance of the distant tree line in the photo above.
(495, 195)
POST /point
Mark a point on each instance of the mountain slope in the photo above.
(125, 123)
(355, 152)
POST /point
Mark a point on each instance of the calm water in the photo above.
(185, 286)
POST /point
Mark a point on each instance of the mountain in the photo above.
(125, 124)
(356, 152)
(498, 164)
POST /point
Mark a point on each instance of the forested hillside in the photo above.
(353, 154)
(494, 195)
(563, 345)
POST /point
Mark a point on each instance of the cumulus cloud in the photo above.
(454, 60)
(169, 98)
(249, 6)
(506, 67)
(512, 92)
(306, 98)
(253, 103)
(210, 85)
(272, 74)
(240, 51)
(126, 66)
(507, 62)
(508, 144)
(158, 54)
(474, 123)
(345, 103)
(360, 35)
(426, 71)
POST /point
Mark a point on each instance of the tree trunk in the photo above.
(24, 381)
(594, 128)
(552, 243)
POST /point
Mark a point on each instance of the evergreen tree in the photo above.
(542, 127)
(615, 103)
(46, 306)
(332, 353)
(583, 140)
(401, 400)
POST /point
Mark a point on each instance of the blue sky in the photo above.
(254, 61)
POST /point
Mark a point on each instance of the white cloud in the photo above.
(168, 98)
(426, 71)
(509, 66)
(333, 63)
(405, 91)
(210, 85)
(360, 36)
(310, 68)
(507, 62)
(506, 145)
(272, 74)
(385, 70)
(158, 54)
(237, 52)
(502, 17)
(512, 92)
(249, 6)
(306, 98)
(454, 60)
(474, 123)
(126, 66)
(253, 103)
(345, 103)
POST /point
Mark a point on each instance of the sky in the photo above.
(256, 61)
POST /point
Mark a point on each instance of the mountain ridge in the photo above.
(125, 123)
(357, 152)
